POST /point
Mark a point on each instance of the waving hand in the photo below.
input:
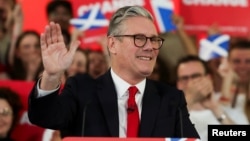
(56, 57)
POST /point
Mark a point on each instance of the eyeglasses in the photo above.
(4, 112)
(141, 40)
(192, 76)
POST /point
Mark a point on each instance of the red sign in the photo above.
(97, 13)
(107, 8)
(229, 15)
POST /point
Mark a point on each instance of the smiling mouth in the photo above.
(144, 58)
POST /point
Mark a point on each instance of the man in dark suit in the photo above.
(98, 107)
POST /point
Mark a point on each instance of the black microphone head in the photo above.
(130, 109)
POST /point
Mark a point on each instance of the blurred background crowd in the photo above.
(216, 88)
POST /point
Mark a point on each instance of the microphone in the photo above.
(131, 108)
(181, 124)
(84, 117)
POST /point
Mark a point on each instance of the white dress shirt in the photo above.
(121, 87)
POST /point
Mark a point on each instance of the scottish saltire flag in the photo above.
(163, 10)
(214, 46)
(91, 19)
(182, 139)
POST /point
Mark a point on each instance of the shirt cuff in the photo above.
(42, 93)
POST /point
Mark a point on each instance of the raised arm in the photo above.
(17, 16)
(229, 81)
(55, 56)
(186, 39)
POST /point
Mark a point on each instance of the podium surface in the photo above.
(126, 139)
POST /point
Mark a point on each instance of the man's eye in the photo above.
(140, 37)
(155, 39)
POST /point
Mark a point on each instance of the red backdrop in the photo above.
(34, 14)
(198, 15)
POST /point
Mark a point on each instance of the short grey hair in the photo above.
(124, 13)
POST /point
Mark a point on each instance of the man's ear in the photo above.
(111, 44)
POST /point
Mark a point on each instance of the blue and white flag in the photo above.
(163, 11)
(182, 139)
(90, 20)
(214, 46)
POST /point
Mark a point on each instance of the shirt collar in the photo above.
(122, 86)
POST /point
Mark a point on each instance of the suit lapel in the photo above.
(108, 100)
(150, 108)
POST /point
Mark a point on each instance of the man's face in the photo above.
(239, 59)
(187, 72)
(5, 8)
(97, 64)
(129, 60)
(62, 16)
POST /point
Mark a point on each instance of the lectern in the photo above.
(126, 139)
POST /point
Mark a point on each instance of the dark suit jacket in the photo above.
(93, 103)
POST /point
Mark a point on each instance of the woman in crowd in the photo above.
(79, 64)
(10, 106)
(25, 58)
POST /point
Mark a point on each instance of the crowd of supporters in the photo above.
(216, 90)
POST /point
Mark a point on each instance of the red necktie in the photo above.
(133, 114)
